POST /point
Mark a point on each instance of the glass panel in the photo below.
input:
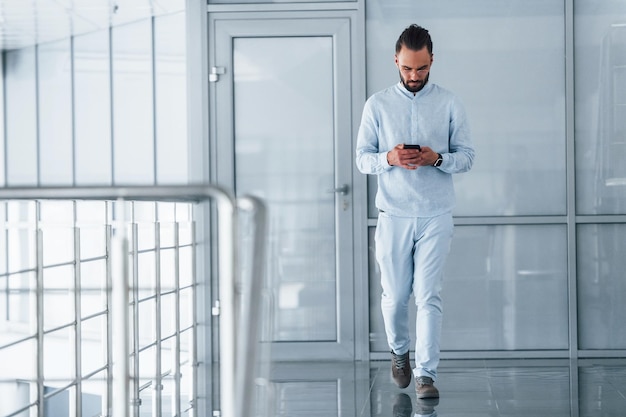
(21, 301)
(171, 99)
(284, 111)
(133, 127)
(58, 361)
(56, 156)
(147, 327)
(600, 105)
(601, 286)
(168, 315)
(93, 344)
(14, 367)
(58, 404)
(147, 362)
(186, 304)
(94, 395)
(93, 287)
(514, 95)
(185, 266)
(92, 108)
(21, 117)
(2, 127)
(186, 370)
(147, 274)
(275, 1)
(500, 283)
(58, 296)
(93, 241)
(601, 389)
(16, 395)
(58, 245)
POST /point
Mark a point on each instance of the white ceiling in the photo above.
(29, 22)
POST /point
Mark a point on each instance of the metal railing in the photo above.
(238, 296)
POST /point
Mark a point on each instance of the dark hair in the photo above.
(415, 38)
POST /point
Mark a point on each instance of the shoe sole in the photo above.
(427, 396)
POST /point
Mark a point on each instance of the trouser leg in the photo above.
(394, 254)
(430, 254)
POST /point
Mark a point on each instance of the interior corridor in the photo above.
(532, 387)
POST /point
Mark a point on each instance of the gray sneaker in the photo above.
(425, 388)
(401, 369)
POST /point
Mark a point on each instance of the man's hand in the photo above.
(411, 158)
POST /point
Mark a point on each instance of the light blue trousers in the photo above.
(411, 253)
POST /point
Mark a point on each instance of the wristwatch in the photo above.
(439, 160)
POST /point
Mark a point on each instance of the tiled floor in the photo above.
(472, 388)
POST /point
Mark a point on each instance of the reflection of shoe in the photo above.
(426, 406)
(401, 369)
(425, 388)
(402, 406)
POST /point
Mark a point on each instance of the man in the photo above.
(415, 198)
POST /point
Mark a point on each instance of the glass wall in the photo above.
(92, 109)
(600, 115)
(512, 252)
(600, 80)
(505, 62)
(103, 108)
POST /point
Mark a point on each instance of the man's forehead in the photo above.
(409, 56)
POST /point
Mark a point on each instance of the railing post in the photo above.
(119, 317)
(227, 279)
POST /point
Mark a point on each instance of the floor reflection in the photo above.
(546, 387)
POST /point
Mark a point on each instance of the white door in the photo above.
(282, 119)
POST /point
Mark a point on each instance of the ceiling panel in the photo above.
(28, 22)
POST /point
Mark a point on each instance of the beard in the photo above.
(414, 86)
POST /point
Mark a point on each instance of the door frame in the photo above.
(348, 57)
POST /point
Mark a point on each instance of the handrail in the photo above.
(227, 215)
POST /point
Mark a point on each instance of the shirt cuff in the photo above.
(383, 160)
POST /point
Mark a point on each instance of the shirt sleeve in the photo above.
(461, 155)
(369, 160)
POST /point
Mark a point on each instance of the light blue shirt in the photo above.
(433, 117)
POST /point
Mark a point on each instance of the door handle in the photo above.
(343, 190)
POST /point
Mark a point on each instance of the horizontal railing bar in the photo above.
(21, 410)
(17, 342)
(187, 329)
(146, 385)
(93, 259)
(20, 271)
(193, 193)
(161, 248)
(143, 349)
(59, 390)
(94, 315)
(94, 372)
(52, 290)
(60, 327)
(142, 300)
(82, 261)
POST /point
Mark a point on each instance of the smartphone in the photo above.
(412, 147)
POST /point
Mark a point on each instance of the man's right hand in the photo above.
(404, 158)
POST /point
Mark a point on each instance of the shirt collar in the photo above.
(420, 93)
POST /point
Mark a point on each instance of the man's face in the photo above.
(414, 68)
